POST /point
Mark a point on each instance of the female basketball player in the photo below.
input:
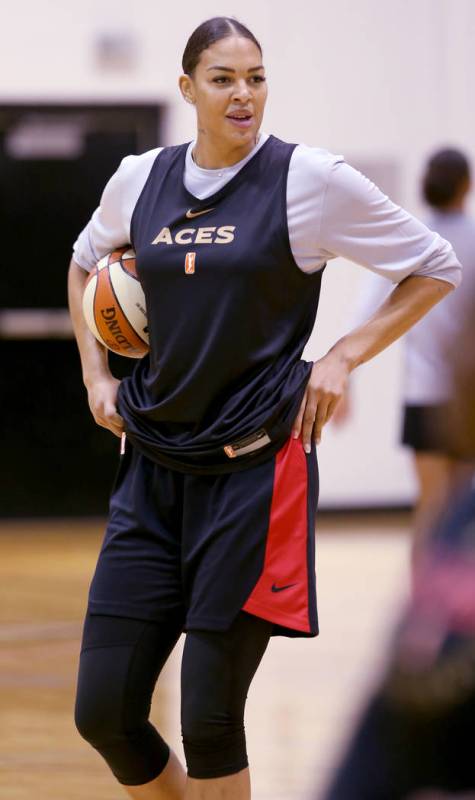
(212, 514)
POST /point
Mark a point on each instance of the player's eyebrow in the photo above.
(229, 69)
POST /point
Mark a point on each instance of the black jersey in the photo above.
(229, 314)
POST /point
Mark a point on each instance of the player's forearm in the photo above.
(93, 355)
(406, 305)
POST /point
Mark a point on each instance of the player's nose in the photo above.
(242, 92)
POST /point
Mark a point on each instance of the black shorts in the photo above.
(202, 547)
(425, 428)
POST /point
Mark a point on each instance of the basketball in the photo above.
(114, 304)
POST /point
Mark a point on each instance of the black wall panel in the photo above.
(55, 460)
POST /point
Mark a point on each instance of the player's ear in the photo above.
(186, 88)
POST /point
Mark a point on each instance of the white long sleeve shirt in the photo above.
(332, 210)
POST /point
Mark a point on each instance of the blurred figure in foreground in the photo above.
(427, 380)
(416, 740)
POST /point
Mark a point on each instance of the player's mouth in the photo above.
(242, 119)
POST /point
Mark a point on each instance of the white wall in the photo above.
(374, 79)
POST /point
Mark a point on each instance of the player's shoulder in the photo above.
(314, 162)
(310, 172)
(133, 165)
(132, 174)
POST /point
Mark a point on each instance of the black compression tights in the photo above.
(121, 659)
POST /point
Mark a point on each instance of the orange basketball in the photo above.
(114, 304)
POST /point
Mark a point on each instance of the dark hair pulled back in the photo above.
(446, 173)
(209, 32)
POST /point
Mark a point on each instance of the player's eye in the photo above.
(221, 79)
(258, 78)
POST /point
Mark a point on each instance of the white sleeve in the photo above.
(109, 226)
(361, 224)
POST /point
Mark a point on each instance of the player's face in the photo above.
(229, 90)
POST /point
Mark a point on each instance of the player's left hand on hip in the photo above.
(327, 384)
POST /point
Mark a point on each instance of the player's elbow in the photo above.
(77, 277)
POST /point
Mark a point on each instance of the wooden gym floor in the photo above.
(302, 702)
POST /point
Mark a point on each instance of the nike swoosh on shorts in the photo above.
(281, 588)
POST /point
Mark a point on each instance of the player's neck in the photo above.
(209, 154)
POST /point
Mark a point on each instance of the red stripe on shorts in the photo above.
(281, 593)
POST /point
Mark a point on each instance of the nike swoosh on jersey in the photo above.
(191, 214)
(281, 588)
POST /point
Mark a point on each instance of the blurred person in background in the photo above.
(427, 380)
(416, 739)
(428, 388)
